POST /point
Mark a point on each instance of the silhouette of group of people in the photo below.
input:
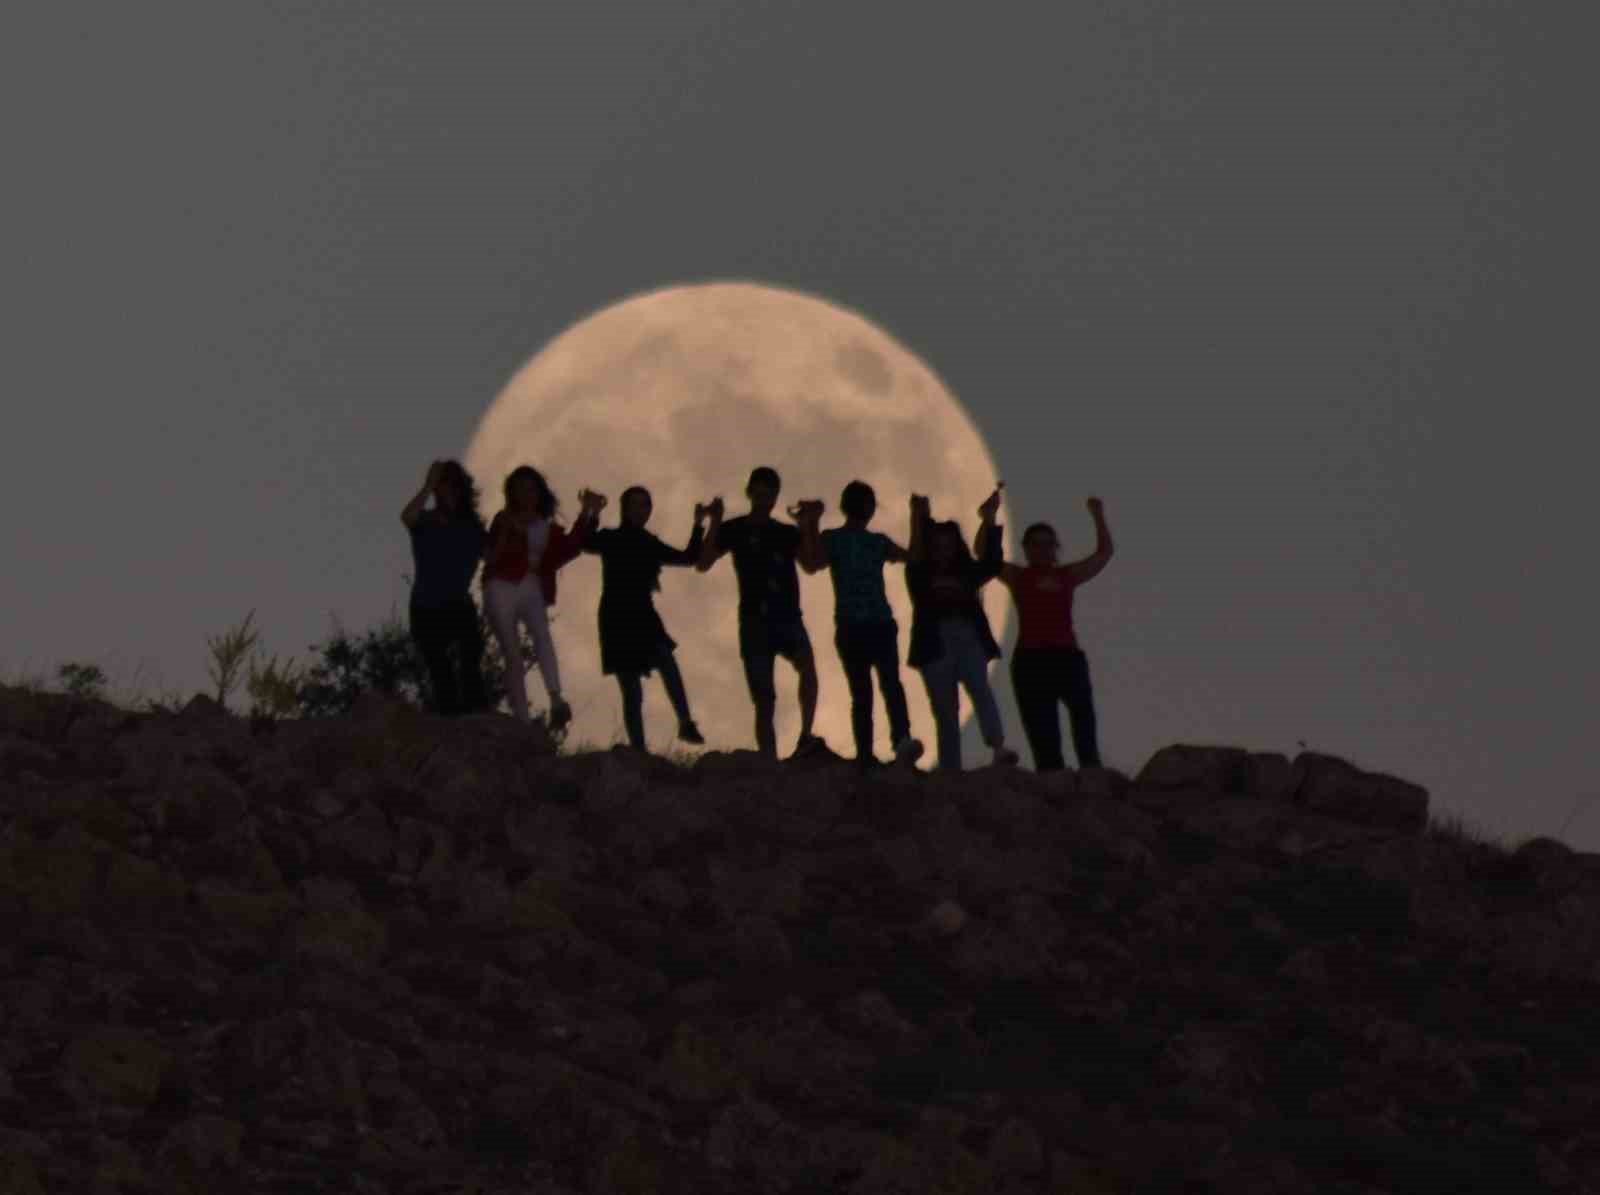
(523, 548)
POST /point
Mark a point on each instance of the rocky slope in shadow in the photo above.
(391, 953)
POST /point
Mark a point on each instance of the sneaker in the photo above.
(560, 714)
(688, 732)
(1005, 757)
(908, 750)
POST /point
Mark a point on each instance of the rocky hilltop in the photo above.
(394, 953)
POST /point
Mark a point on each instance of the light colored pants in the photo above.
(962, 663)
(505, 603)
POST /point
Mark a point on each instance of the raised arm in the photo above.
(988, 544)
(921, 515)
(808, 517)
(1090, 565)
(710, 549)
(411, 513)
(667, 554)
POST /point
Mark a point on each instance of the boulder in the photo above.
(1336, 788)
(1207, 769)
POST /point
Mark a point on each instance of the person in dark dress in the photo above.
(951, 643)
(447, 542)
(633, 640)
(770, 623)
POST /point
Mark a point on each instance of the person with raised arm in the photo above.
(864, 631)
(526, 549)
(951, 643)
(1048, 667)
(633, 640)
(770, 622)
(446, 547)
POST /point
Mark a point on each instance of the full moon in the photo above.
(683, 391)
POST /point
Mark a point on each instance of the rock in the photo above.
(1208, 769)
(113, 1065)
(947, 918)
(202, 801)
(204, 1145)
(1335, 788)
(1102, 783)
(202, 708)
(1015, 1151)
(1269, 776)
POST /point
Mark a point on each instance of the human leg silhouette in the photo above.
(1035, 683)
(1078, 696)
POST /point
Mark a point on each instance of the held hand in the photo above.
(920, 505)
(700, 513)
(807, 510)
(591, 502)
(715, 508)
(991, 504)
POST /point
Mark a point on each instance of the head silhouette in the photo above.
(946, 547)
(456, 493)
(526, 490)
(1039, 545)
(763, 488)
(858, 502)
(636, 506)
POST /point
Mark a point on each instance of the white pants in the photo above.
(505, 603)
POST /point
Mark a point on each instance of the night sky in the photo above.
(1295, 287)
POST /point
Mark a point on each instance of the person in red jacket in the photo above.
(1048, 667)
(526, 548)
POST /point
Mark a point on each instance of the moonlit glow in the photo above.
(683, 391)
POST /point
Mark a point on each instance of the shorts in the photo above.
(761, 643)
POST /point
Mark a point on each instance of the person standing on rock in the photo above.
(865, 632)
(447, 543)
(951, 643)
(770, 623)
(633, 640)
(1048, 668)
(526, 548)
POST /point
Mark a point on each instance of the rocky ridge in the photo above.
(395, 953)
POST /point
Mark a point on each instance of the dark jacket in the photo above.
(925, 643)
(631, 558)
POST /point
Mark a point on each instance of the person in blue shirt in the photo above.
(447, 543)
(865, 631)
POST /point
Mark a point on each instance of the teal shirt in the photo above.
(855, 561)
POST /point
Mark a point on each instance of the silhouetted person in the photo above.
(770, 623)
(864, 628)
(951, 643)
(526, 548)
(1048, 668)
(633, 640)
(446, 545)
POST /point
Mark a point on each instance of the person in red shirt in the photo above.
(1048, 668)
(526, 547)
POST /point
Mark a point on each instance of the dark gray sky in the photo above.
(1295, 286)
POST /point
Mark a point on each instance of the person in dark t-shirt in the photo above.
(633, 640)
(1048, 667)
(865, 631)
(951, 642)
(770, 623)
(447, 542)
